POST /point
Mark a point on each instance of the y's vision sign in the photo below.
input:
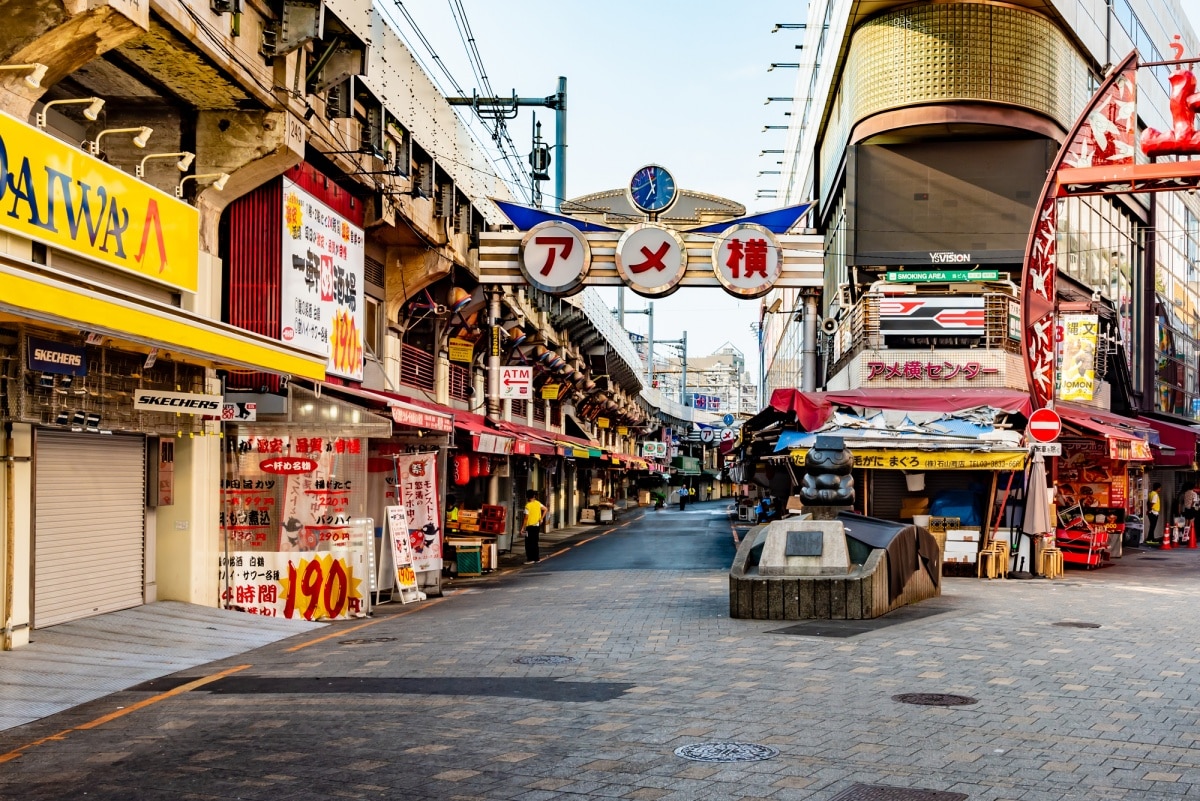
(59, 195)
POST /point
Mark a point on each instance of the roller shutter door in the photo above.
(89, 526)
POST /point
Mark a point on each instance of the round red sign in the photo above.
(1044, 425)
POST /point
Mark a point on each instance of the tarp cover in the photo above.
(907, 546)
(813, 409)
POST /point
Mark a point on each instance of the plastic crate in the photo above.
(470, 560)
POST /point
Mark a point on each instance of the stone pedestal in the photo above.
(805, 548)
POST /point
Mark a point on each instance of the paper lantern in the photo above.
(458, 298)
(462, 469)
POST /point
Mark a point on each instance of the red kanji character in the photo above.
(734, 262)
(653, 259)
(315, 445)
(276, 445)
(245, 594)
(339, 445)
(302, 445)
(260, 445)
(756, 257)
(564, 242)
(914, 370)
(355, 446)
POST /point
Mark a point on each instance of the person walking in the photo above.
(1189, 508)
(535, 513)
(1153, 511)
(683, 496)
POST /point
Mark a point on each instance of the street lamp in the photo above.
(92, 112)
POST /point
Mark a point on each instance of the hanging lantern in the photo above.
(462, 469)
(517, 335)
(485, 466)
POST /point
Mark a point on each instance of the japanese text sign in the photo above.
(651, 260)
(747, 260)
(322, 282)
(417, 474)
(555, 257)
(516, 382)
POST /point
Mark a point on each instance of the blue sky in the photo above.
(682, 84)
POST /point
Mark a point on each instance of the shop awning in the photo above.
(1175, 437)
(912, 459)
(403, 411)
(25, 295)
(529, 441)
(686, 465)
(579, 448)
(813, 409)
(1126, 443)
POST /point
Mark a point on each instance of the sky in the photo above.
(681, 83)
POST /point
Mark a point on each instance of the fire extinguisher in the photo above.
(462, 470)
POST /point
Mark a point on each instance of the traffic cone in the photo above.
(1192, 531)
(1166, 543)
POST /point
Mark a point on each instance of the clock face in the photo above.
(652, 189)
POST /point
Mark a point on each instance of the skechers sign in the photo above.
(58, 194)
(56, 357)
(152, 400)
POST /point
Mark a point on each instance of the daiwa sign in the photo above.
(57, 194)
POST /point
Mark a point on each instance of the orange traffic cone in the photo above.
(1166, 543)
(1192, 531)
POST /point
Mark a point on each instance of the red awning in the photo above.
(404, 411)
(1182, 438)
(1124, 442)
(813, 409)
(529, 440)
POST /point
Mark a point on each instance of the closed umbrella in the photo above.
(1037, 503)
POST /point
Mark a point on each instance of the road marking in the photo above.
(111, 716)
(343, 632)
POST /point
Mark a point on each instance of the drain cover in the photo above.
(934, 699)
(880, 792)
(1073, 624)
(545, 659)
(366, 641)
(726, 752)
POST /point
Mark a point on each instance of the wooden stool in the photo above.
(1050, 563)
(993, 560)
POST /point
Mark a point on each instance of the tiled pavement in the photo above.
(441, 710)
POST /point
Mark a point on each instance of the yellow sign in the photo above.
(601, 422)
(622, 431)
(888, 459)
(1077, 367)
(57, 194)
(550, 391)
(462, 350)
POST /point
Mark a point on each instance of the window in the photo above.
(372, 327)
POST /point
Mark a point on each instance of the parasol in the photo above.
(1037, 504)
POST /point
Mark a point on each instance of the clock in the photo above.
(652, 189)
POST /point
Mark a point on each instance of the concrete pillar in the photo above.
(16, 535)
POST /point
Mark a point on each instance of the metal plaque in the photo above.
(804, 543)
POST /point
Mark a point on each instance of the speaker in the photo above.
(829, 325)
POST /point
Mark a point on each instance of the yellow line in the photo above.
(344, 632)
(111, 716)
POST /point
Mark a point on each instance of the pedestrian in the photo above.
(683, 496)
(535, 513)
(1189, 507)
(1153, 511)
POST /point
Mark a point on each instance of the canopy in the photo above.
(1174, 436)
(813, 409)
(1127, 439)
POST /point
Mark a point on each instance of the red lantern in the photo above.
(462, 469)
(485, 466)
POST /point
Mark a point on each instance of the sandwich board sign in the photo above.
(404, 578)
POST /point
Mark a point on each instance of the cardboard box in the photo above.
(962, 535)
(956, 549)
(587, 515)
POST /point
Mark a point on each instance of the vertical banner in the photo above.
(322, 282)
(417, 476)
(1077, 362)
(402, 553)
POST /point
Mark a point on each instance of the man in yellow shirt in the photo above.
(535, 514)
(1155, 504)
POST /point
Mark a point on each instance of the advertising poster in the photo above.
(402, 553)
(1077, 369)
(417, 474)
(312, 586)
(322, 284)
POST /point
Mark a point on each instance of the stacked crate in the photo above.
(492, 519)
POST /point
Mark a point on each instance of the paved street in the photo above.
(432, 701)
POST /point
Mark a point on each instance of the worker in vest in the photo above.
(1155, 508)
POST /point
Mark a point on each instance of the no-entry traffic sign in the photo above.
(1044, 425)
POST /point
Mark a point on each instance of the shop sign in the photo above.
(56, 193)
(1077, 356)
(1046, 448)
(322, 282)
(654, 449)
(56, 357)
(417, 418)
(493, 443)
(153, 400)
(315, 586)
(706, 403)
(1118, 493)
(239, 412)
(622, 431)
(418, 493)
(602, 422)
(516, 382)
(889, 459)
(914, 370)
(555, 257)
(747, 260)
(941, 276)
(402, 552)
(1014, 321)
(550, 391)
(651, 260)
(284, 465)
(909, 315)
(462, 350)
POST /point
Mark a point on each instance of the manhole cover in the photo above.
(1072, 624)
(366, 640)
(545, 659)
(726, 752)
(880, 792)
(934, 699)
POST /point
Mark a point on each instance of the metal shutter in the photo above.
(89, 525)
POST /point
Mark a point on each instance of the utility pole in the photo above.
(505, 108)
(649, 312)
(682, 343)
